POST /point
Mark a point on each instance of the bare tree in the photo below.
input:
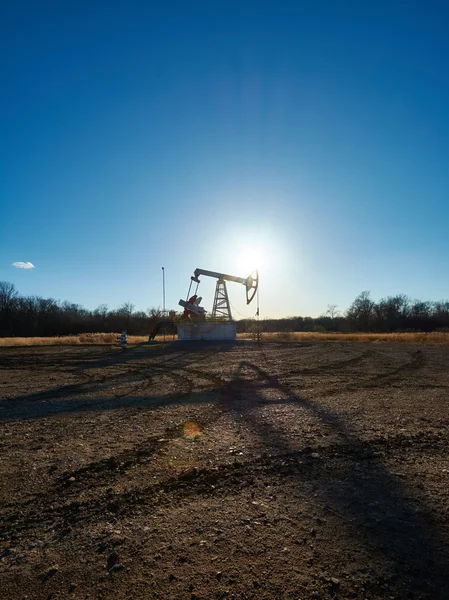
(101, 311)
(360, 313)
(8, 297)
(332, 311)
(126, 309)
(8, 293)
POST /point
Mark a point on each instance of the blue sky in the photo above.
(311, 138)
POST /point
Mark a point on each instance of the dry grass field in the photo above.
(112, 338)
(300, 471)
(98, 339)
(404, 338)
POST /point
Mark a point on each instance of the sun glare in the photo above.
(249, 259)
(243, 251)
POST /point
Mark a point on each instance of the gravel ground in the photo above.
(270, 471)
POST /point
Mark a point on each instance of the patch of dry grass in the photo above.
(112, 338)
(422, 338)
(76, 340)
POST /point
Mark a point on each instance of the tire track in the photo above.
(341, 364)
(381, 380)
(58, 513)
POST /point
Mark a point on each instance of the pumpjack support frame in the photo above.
(221, 308)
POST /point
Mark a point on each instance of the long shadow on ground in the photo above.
(373, 504)
(376, 504)
(155, 361)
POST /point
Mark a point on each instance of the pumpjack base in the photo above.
(207, 330)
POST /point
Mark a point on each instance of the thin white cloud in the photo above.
(23, 265)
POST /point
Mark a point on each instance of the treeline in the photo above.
(396, 313)
(393, 314)
(30, 316)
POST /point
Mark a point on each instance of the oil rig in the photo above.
(196, 324)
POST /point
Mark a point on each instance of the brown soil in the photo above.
(297, 471)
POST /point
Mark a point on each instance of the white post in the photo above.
(123, 340)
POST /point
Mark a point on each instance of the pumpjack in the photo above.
(221, 310)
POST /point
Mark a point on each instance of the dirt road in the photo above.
(267, 471)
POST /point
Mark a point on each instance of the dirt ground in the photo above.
(271, 471)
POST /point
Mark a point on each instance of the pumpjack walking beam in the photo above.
(251, 282)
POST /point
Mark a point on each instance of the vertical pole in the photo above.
(163, 297)
(257, 313)
(163, 291)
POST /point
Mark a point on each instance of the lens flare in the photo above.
(191, 430)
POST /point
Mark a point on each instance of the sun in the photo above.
(250, 258)
(243, 251)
